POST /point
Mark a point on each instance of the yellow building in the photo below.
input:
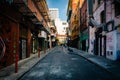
(73, 13)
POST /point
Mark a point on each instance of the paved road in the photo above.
(60, 64)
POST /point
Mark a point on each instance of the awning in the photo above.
(94, 23)
(41, 27)
(84, 37)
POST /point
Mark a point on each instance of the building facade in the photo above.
(61, 31)
(105, 33)
(73, 13)
(112, 29)
(20, 23)
(96, 37)
(54, 16)
(84, 29)
(99, 27)
(54, 13)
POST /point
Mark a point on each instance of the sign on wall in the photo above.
(112, 45)
(24, 48)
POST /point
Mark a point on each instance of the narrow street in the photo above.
(61, 64)
(35, 35)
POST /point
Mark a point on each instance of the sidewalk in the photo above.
(8, 73)
(107, 64)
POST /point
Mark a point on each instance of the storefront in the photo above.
(84, 41)
(9, 32)
(23, 41)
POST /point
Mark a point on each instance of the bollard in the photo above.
(38, 52)
(16, 63)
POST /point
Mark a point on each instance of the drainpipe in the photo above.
(90, 15)
(105, 14)
(80, 30)
(90, 8)
(104, 29)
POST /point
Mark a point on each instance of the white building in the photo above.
(61, 29)
(60, 25)
(54, 13)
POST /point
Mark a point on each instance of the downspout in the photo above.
(105, 14)
(104, 29)
(90, 15)
(80, 31)
(90, 8)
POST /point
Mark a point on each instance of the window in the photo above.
(110, 26)
(64, 23)
(117, 8)
(102, 16)
(99, 2)
(64, 28)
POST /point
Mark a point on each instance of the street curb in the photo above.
(29, 69)
(32, 67)
(34, 64)
(114, 76)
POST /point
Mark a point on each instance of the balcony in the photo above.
(31, 10)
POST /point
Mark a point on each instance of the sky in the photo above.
(61, 5)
